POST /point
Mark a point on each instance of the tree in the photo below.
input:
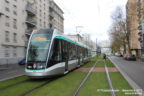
(118, 33)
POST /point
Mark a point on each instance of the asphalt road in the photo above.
(134, 69)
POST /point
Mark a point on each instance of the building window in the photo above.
(14, 23)
(15, 7)
(7, 9)
(7, 5)
(14, 37)
(7, 21)
(6, 52)
(7, 39)
(14, 52)
(14, 12)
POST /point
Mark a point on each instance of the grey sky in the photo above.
(93, 15)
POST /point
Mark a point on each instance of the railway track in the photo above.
(12, 85)
(84, 80)
(86, 77)
(109, 80)
(38, 87)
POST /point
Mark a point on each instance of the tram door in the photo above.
(78, 55)
(65, 53)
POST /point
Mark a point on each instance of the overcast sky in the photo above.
(93, 15)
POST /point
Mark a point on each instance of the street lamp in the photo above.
(78, 32)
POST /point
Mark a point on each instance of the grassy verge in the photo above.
(90, 64)
(121, 84)
(64, 86)
(20, 89)
(13, 81)
(109, 63)
(100, 64)
(94, 85)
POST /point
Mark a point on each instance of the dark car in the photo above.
(131, 57)
(22, 62)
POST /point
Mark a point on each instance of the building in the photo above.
(76, 37)
(56, 18)
(17, 20)
(84, 39)
(132, 27)
(140, 15)
(12, 31)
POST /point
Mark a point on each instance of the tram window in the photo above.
(64, 50)
(72, 51)
(80, 52)
(56, 53)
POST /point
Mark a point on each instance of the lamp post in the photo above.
(78, 32)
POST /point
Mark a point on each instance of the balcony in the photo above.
(51, 5)
(31, 21)
(28, 32)
(30, 10)
(140, 39)
(140, 33)
(51, 22)
(51, 15)
(140, 27)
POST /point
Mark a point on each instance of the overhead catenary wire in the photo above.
(67, 11)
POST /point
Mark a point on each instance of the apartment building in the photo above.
(56, 18)
(132, 27)
(12, 31)
(140, 15)
(17, 20)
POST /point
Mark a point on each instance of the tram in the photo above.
(51, 53)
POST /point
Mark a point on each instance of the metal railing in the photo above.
(31, 21)
(30, 9)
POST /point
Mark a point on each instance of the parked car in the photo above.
(118, 54)
(125, 56)
(131, 57)
(22, 62)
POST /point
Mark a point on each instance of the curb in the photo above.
(129, 80)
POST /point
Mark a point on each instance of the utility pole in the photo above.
(78, 32)
(96, 46)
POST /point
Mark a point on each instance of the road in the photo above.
(134, 69)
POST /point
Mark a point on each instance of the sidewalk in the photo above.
(11, 71)
(8, 66)
(133, 69)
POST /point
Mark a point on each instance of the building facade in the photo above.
(132, 27)
(17, 20)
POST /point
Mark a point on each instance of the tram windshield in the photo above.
(38, 48)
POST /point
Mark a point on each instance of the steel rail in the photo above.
(84, 80)
(109, 80)
(38, 87)
(12, 85)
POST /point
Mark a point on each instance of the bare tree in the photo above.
(118, 32)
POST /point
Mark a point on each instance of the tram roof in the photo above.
(59, 35)
(66, 38)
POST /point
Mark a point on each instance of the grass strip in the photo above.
(64, 86)
(121, 85)
(20, 89)
(5, 84)
(96, 85)
(100, 64)
(90, 64)
(109, 63)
